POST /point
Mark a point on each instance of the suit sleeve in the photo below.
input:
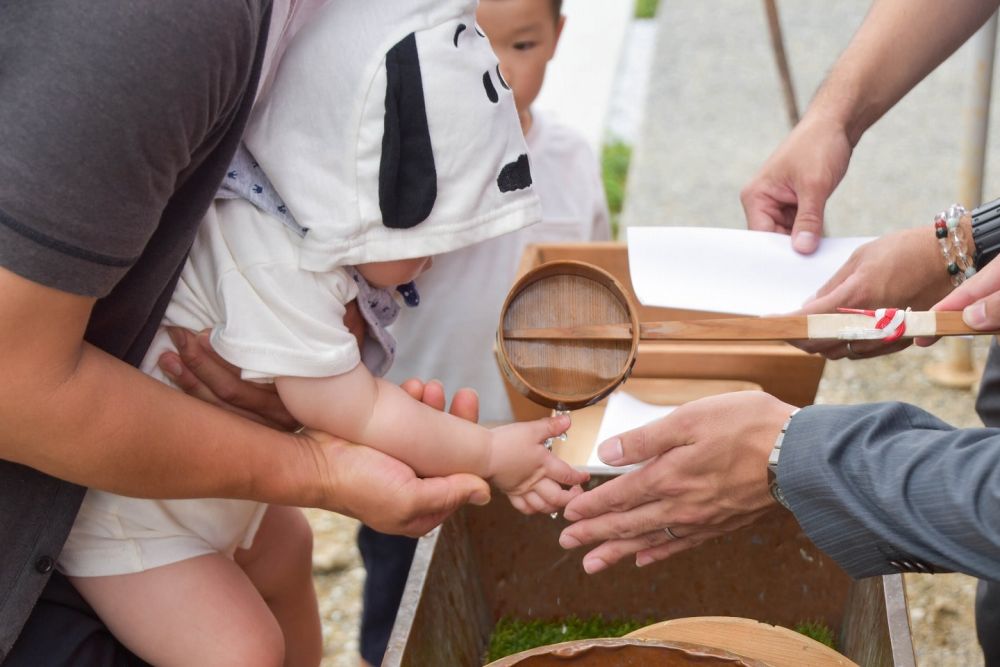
(988, 400)
(887, 487)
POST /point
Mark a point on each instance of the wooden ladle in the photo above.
(569, 332)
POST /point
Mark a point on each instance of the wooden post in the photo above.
(957, 369)
(778, 45)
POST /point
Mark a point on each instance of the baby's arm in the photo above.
(377, 413)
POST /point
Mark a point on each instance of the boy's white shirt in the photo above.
(450, 335)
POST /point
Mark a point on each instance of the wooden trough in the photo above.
(487, 563)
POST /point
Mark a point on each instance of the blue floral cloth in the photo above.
(379, 309)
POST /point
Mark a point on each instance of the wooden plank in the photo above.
(780, 369)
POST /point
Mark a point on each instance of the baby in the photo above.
(387, 136)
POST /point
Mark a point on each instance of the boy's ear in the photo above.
(559, 28)
(407, 179)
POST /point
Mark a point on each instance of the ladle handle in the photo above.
(831, 326)
(827, 326)
(734, 328)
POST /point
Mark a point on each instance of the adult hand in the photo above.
(385, 493)
(200, 372)
(789, 193)
(978, 298)
(903, 269)
(706, 475)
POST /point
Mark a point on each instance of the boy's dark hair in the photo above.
(556, 9)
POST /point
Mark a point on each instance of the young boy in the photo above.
(450, 334)
(359, 163)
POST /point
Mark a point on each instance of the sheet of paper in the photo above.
(729, 270)
(623, 412)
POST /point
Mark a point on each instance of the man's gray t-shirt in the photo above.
(117, 123)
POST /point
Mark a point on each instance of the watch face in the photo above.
(778, 495)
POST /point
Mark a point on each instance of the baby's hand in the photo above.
(522, 467)
(545, 497)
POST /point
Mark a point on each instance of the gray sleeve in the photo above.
(104, 106)
(888, 487)
(988, 400)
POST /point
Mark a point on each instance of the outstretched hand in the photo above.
(705, 475)
(978, 298)
(531, 475)
(789, 193)
(903, 269)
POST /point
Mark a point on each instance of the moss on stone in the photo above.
(511, 635)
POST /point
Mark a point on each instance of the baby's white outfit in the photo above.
(387, 134)
(450, 336)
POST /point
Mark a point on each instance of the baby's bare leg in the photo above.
(199, 611)
(280, 566)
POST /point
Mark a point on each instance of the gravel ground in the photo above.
(339, 576)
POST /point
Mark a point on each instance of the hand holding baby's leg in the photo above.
(200, 372)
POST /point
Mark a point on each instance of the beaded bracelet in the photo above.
(959, 264)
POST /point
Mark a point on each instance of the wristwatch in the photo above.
(985, 233)
(772, 464)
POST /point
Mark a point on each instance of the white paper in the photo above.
(729, 270)
(623, 412)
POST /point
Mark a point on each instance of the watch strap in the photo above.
(985, 233)
(772, 463)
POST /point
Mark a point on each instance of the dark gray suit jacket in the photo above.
(887, 487)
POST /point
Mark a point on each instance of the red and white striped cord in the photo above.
(890, 320)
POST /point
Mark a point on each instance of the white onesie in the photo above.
(387, 134)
